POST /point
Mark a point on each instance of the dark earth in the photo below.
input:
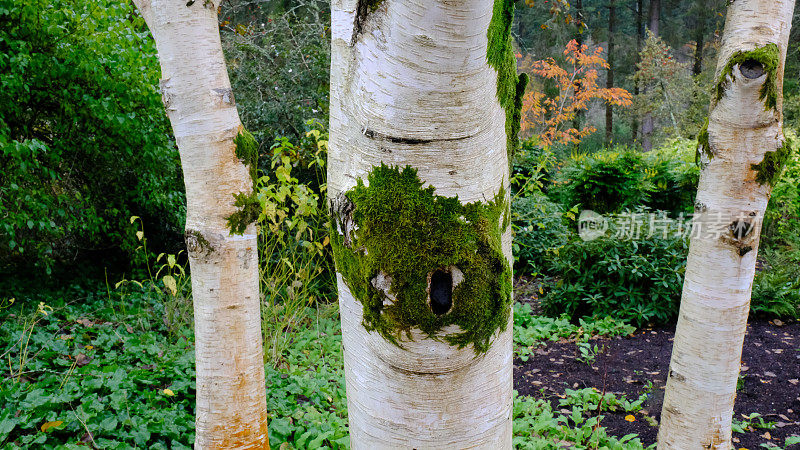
(770, 378)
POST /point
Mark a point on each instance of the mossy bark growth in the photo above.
(247, 152)
(703, 147)
(769, 56)
(510, 86)
(768, 171)
(249, 207)
(404, 233)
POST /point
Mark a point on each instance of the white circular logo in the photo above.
(591, 225)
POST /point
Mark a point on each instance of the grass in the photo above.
(103, 367)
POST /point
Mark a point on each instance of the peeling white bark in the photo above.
(231, 394)
(698, 404)
(414, 89)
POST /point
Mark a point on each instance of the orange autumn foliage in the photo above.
(550, 118)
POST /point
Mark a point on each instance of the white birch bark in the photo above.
(231, 395)
(414, 88)
(706, 357)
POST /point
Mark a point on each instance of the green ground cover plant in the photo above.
(99, 366)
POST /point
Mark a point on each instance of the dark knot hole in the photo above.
(751, 69)
(441, 292)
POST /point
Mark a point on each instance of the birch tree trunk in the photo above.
(231, 395)
(424, 274)
(742, 152)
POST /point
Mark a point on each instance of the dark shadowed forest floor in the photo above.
(769, 384)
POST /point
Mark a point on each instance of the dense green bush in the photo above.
(638, 280)
(782, 219)
(605, 182)
(541, 229)
(610, 181)
(84, 141)
(776, 291)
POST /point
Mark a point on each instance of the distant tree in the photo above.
(666, 85)
(550, 119)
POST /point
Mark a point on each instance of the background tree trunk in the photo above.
(743, 150)
(579, 38)
(410, 85)
(639, 32)
(231, 395)
(700, 34)
(654, 16)
(612, 18)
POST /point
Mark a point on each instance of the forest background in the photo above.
(92, 203)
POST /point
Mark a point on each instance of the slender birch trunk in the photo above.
(742, 152)
(424, 288)
(231, 395)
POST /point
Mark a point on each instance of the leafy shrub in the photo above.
(782, 219)
(638, 280)
(674, 176)
(776, 289)
(605, 182)
(296, 267)
(541, 229)
(84, 141)
(613, 180)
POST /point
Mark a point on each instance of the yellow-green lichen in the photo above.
(768, 171)
(249, 207)
(396, 228)
(769, 56)
(500, 55)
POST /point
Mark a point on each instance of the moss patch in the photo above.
(249, 207)
(770, 168)
(197, 243)
(407, 232)
(247, 152)
(702, 143)
(372, 5)
(510, 86)
(769, 56)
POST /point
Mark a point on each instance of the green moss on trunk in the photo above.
(407, 232)
(770, 168)
(510, 86)
(769, 56)
(247, 152)
(702, 143)
(249, 207)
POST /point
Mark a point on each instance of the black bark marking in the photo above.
(372, 134)
(740, 228)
